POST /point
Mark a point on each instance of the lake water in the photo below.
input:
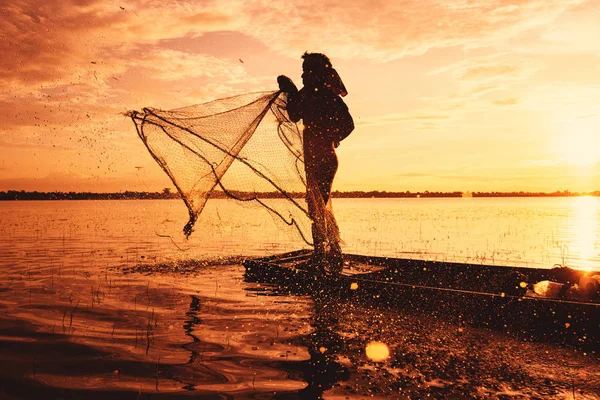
(536, 232)
(73, 325)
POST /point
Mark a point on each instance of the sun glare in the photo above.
(579, 146)
(585, 229)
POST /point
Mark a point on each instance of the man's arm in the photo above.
(286, 85)
(294, 106)
(294, 98)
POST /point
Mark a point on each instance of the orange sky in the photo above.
(447, 95)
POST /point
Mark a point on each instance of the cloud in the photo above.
(462, 178)
(507, 102)
(575, 31)
(488, 70)
(172, 65)
(565, 100)
(560, 172)
(476, 78)
(30, 146)
(484, 89)
(414, 175)
(587, 116)
(387, 30)
(61, 181)
(58, 42)
(65, 42)
(395, 118)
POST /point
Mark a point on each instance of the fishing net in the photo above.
(244, 148)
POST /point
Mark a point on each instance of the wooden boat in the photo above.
(500, 297)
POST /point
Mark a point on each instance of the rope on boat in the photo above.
(451, 290)
(474, 292)
(461, 291)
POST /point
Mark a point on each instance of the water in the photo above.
(536, 232)
(72, 323)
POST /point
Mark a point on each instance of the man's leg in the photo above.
(326, 175)
(313, 200)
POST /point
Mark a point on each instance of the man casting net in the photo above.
(250, 149)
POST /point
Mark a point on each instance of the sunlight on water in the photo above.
(530, 232)
(585, 230)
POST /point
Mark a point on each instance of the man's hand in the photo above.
(286, 85)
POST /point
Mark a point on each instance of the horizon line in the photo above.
(167, 193)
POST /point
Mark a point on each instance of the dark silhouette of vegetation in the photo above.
(384, 194)
(167, 194)
(563, 193)
(127, 195)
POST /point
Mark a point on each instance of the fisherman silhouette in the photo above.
(327, 122)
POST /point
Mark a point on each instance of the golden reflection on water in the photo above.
(584, 232)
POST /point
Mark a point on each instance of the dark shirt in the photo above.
(323, 113)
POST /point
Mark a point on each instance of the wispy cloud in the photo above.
(396, 118)
(59, 41)
(56, 42)
(389, 30)
(492, 68)
(32, 146)
(507, 102)
(61, 181)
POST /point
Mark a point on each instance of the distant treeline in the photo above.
(167, 194)
(127, 195)
(378, 194)
(564, 193)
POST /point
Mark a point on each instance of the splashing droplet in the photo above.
(353, 286)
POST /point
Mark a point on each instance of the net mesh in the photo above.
(243, 147)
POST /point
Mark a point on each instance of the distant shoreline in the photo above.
(167, 195)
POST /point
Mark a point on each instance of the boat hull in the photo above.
(483, 295)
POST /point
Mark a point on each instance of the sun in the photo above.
(579, 145)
